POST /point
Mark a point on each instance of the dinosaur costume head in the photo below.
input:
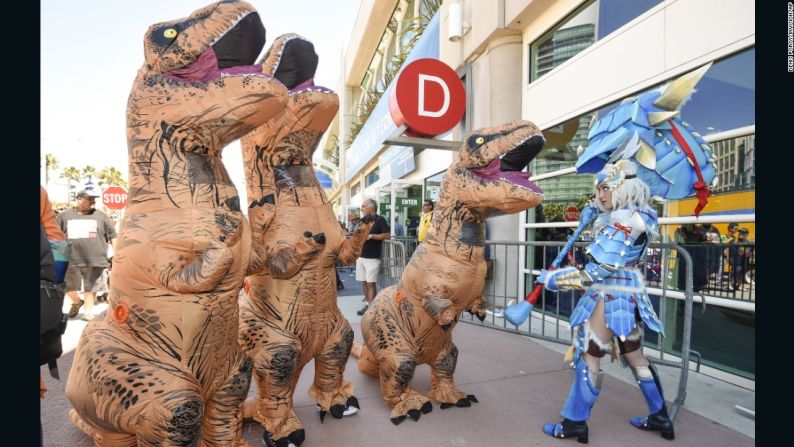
(197, 91)
(487, 172)
(291, 60)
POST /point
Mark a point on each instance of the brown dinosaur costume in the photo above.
(288, 317)
(411, 323)
(164, 367)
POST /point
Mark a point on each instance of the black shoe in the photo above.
(363, 309)
(659, 421)
(568, 429)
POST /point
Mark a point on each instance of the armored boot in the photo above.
(584, 392)
(651, 387)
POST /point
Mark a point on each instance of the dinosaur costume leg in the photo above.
(396, 370)
(332, 392)
(225, 402)
(442, 388)
(277, 367)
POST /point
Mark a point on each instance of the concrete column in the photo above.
(498, 101)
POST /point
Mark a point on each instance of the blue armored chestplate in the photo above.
(617, 237)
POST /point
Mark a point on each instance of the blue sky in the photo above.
(92, 49)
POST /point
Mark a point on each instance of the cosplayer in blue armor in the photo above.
(639, 150)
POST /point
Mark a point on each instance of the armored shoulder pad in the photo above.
(649, 217)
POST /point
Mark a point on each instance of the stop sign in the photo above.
(572, 214)
(114, 197)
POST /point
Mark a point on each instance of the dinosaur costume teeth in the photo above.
(411, 323)
(164, 367)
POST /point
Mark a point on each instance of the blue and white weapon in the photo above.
(518, 313)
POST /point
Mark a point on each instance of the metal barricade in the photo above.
(392, 263)
(410, 243)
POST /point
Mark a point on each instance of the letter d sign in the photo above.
(424, 112)
(428, 97)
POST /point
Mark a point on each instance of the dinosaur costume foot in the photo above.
(461, 403)
(339, 402)
(445, 393)
(339, 411)
(295, 439)
(411, 404)
(281, 431)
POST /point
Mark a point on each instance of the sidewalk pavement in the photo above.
(520, 385)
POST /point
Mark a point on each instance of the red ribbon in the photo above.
(625, 230)
(703, 192)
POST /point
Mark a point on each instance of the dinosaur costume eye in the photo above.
(169, 33)
(480, 140)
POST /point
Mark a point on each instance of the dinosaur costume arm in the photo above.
(204, 273)
(260, 218)
(351, 246)
(286, 259)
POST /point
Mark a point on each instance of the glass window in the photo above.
(355, 189)
(591, 22)
(433, 186)
(373, 176)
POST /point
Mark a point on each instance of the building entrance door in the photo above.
(400, 203)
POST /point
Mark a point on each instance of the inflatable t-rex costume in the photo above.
(164, 367)
(288, 317)
(411, 323)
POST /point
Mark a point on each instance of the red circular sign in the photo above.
(572, 214)
(428, 97)
(114, 197)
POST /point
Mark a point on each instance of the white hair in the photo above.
(631, 192)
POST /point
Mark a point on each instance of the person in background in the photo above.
(729, 239)
(712, 251)
(54, 234)
(425, 220)
(399, 229)
(692, 239)
(368, 264)
(90, 231)
(742, 251)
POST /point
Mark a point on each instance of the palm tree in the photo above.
(111, 176)
(50, 164)
(70, 174)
